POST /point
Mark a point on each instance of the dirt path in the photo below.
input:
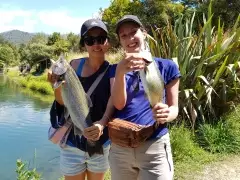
(227, 169)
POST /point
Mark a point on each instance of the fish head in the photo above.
(59, 68)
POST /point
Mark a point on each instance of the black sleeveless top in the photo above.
(99, 99)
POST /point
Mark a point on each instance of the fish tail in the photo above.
(94, 147)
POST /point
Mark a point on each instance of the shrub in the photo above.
(219, 138)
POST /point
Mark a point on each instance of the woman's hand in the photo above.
(131, 62)
(161, 113)
(51, 77)
(94, 132)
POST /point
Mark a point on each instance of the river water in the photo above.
(24, 122)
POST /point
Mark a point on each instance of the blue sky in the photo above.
(48, 15)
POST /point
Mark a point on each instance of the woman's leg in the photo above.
(80, 176)
(97, 165)
(123, 163)
(95, 176)
(155, 159)
(73, 163)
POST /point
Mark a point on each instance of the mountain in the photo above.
(16, 36)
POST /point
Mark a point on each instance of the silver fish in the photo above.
(152, 79)
(76, 101)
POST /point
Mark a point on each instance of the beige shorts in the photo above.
(152, 160)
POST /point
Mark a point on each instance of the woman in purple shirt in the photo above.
(153, 158)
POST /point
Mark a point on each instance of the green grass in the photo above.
(188, 156)
(34, 83)
(219, 138)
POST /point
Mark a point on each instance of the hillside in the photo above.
(16, 36)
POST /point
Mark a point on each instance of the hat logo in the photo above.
(94, 23)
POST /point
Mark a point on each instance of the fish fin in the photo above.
(94, 147)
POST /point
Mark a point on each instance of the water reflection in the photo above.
(24, 122)
(11, 93)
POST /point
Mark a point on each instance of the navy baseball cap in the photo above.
(91, 23)
(128, 18)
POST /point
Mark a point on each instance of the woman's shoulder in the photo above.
(166, 63)
(169, 69)
(112, 70)
(75, 62)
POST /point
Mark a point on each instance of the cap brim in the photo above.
(124, 21)
(94, 27)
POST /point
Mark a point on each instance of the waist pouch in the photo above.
(128, 134)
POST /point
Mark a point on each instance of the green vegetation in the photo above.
(34, 83)
(202, 37)
(208, 60)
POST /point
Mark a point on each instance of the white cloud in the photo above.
(61, 21)
(39, 21)
(16, 19)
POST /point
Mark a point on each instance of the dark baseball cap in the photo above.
(91, 23)
(128, 18)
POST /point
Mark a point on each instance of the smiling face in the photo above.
(131, 37)
(100, 43)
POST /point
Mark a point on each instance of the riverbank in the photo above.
(33, 85)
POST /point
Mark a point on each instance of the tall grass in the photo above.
(219, 138)
(208, 59)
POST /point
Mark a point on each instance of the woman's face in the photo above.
(96, 42)
(131, 37)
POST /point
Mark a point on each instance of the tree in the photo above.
(53, 38)
(6, 54)
(112, 14)
(227, 10)
(35, 52)
(73, 41)
(39, 38)
(152, 13)
(61, 46)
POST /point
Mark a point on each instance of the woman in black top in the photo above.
(75, 163)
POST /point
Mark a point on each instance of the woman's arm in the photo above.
(172, 91)
(94, 132)
(130, 62)
(119, 94)
(109, 109)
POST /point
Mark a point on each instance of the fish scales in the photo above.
(152, 80)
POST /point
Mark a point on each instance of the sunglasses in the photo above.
(91, 40)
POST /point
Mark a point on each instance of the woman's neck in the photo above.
(95, 62)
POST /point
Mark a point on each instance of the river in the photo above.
(24, 122)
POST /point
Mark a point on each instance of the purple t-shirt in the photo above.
(137, 108)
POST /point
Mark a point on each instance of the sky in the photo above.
(48, 16)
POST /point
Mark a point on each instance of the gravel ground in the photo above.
(227, 169)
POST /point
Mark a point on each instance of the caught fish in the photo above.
(76, 101)
(152, 79)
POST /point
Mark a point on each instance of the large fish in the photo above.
(151, 78)
(76, 101)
